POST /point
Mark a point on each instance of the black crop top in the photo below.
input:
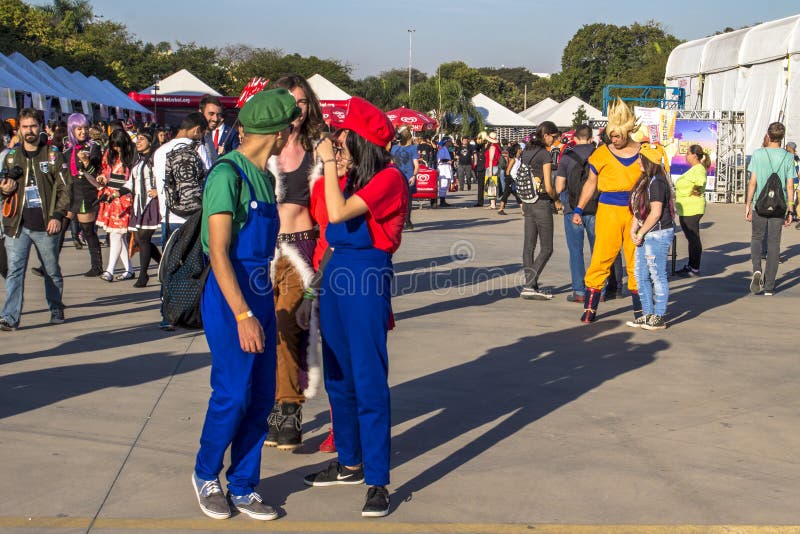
(295, 183)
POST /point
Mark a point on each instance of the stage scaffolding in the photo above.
(731, 165)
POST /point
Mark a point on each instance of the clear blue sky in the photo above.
(371, 35)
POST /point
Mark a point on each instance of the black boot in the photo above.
(273, 426)
(591, 300)
(96, 258)
(290, 433)
(637, 304)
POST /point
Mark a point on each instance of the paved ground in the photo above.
(509, 415)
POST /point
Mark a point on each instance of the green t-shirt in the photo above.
(686, 203)
(765, 161)
(220, 192)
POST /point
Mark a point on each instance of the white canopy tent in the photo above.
(64, 93)
(539, 107)
(563, 114)
(182, 82)
(755, 70)
(325, 89)
(509, 125)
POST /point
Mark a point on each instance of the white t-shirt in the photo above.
(160, 169)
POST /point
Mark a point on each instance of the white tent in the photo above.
(182, 82)
(547, 103)
(755, 70)
(563, 114)
(325, 89)
(496, 115)
(64, 93)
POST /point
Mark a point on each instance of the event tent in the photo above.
(496, 115)
(563, 114)
(755, 70)
(547, 103)
(325, 89)
(40, 83)
(182, 82)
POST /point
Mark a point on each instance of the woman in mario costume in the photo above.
(366, 224)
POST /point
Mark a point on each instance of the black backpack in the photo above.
(184, 177)
(770, 203)
(577, 176)
(183, 269)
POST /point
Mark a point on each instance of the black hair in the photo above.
(116, 124)
(209, 99)
(584, 131)
(513, 150)
(368, 160)
(194, 119)
(546, 127)
(30, 113)
(127, 150)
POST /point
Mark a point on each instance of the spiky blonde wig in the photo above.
(621, 119)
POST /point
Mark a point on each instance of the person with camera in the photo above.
(34, 204)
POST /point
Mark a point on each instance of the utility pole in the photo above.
(410, 33)
(156, 81)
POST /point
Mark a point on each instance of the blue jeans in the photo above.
(650, 268)
(574, 234)
(17, 249)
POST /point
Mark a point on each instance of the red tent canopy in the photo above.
(414, 120)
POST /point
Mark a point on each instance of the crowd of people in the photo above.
(284, 194)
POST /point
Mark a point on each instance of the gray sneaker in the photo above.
(639, 322)
(253, 506)
(757, 283)
(210, 498)
(655, 322)
(57, 317)
(534, 293)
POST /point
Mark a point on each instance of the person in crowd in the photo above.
(426, 153)
(538, 216)
(190, 132)
(444, 164)
(791, 147)
(365, 229)
(220, 138)
(652, 229)
(115, 201)
(145, 218)
(492, 172)
(84, 163)
(464, 155)
(766, 161)
(162, 136)
(568, 185)
(239, 233)
(613, 170)
(479, 166)
(406, 158)
(38, 200)
(690, 202)
(513, 163)
(308, 313)
(295, 168)
(4, 150)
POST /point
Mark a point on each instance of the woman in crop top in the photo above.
(298, 370)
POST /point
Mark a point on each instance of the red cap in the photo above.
(367, 121)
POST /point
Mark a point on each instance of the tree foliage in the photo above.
(603, 54)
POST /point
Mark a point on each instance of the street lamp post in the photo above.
(410, 32)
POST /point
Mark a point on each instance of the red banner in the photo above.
(178, 101)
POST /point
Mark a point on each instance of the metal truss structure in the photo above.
(731, 166)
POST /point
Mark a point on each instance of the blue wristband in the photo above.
(577, 210)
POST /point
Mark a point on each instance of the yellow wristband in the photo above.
(244, 315)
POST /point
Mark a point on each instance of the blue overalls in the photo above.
(243, 384)
(354, 309)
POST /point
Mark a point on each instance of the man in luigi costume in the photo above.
(239, 230)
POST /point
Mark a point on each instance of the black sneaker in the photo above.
(5, 326)
(57, 317)
(377, 504)
(654, 322)
(335, 474)
(272, 426)
(38, 271)
(253, 506)
(290, 426)
(210, 498)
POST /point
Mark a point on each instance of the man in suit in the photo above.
(220, 138)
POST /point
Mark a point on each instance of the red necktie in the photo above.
(216, 138)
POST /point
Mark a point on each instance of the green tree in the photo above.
(450, 103)
(580, 116)
(602, 54)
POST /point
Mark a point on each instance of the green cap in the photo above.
(269, 112)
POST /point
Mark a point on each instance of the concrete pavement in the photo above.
(508, 414)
